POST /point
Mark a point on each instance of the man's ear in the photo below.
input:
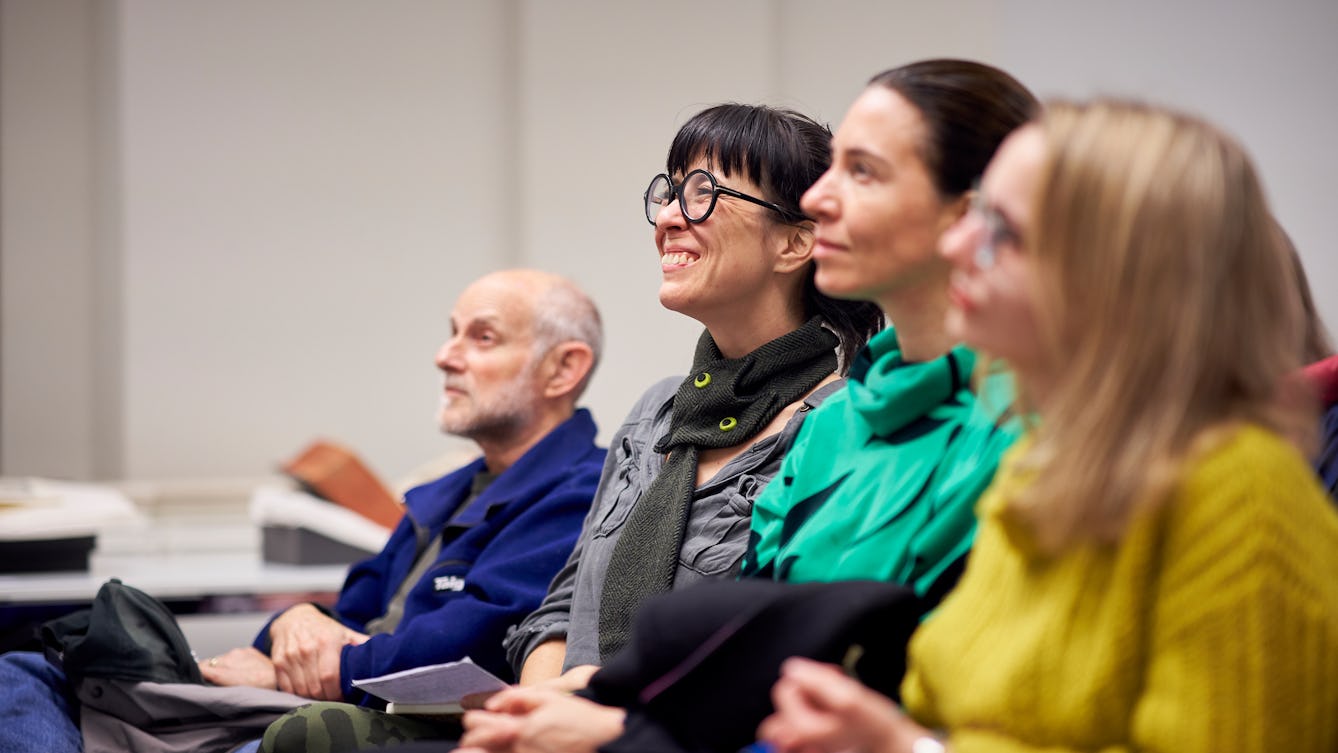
(798, 249)
(566, 366)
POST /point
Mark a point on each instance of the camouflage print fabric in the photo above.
(341, 728)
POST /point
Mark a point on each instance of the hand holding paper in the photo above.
(435, 689)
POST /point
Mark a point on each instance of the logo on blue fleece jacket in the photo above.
(448, 583)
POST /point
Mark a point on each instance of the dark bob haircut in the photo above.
(783, 152)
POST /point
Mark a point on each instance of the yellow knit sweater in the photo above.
(1211, 626)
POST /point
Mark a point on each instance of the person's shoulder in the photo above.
(1250, 522)
(1252, 477)
(653, 402)
(1326, 463)
(575, 439)
(828, 400)
(567, 459)
(1246, 454)
(661, 391)
(832, 393)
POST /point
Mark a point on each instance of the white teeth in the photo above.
(677, 259)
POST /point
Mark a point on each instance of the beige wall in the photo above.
(230, 227)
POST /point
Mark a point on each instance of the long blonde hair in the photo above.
(1167, 302)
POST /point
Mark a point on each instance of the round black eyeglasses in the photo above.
(697, 195)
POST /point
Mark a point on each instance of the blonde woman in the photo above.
(1155, 563)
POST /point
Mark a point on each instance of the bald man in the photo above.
(476, 548)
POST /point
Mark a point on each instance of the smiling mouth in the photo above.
(678, 259)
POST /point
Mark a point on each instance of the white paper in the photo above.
(272, 505)
(35, 509)
(436, 684)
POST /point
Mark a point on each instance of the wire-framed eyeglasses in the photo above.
(998, 230)
(697, 196)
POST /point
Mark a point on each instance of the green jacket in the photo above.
(882, 481)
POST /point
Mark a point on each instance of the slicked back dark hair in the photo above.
(968, 109)
(783, 152)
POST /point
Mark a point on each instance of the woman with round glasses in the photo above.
(1155, 566)
(735, 253)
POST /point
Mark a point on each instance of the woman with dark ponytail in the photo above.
(882, 482)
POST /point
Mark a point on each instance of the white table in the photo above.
(191, 545)
(260, 589)
(175, 576)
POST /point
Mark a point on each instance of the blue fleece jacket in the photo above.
(497, 558)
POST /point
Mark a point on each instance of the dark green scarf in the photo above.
(723, 403)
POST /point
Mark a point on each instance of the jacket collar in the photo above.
(576, 434)
(557, 450)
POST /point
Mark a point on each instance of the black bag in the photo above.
(125, 635)
(139, 688)
(698, 672)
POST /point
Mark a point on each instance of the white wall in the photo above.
(47, 200)
(231, 227)
(308, 187)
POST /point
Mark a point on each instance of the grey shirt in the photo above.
(713, 544)
(429, 548)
